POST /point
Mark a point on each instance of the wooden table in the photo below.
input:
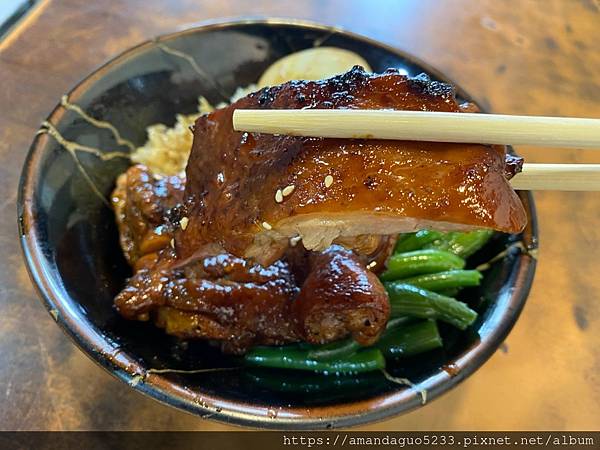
(524, 57)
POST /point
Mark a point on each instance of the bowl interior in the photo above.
(71, 243)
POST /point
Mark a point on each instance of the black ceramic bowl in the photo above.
(72, 252)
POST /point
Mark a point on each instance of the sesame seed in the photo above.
(278, 196)
(371, 264)
(294, 240)
(267, 226)
(183, 223)
(288, 190)
(173, 243)
(328, 181)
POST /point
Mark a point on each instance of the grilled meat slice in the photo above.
(223, 298)
(241, 304)
(335, 188)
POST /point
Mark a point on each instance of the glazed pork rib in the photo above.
(250, 194)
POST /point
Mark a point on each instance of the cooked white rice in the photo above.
(167, 150)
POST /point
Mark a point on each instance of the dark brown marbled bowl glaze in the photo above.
(71, 249)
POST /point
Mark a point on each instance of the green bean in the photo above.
(410, 340)
(334, 350)
(300, 382)
(291, 357)
(407, 264)
(407, 300)
(445, 280)
(462, 244)
(341, 349)
(415, 241)
(395, 322)
(450, 292)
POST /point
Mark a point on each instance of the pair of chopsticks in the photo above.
(447, 127)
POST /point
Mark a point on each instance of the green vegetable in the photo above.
(408, 300)
(298, 382)
(407, 264)
(415, 241)
(450, 292)
(397, 321)
(445, 280)
(334, 350)
(292, 357)
(410, 340)
(462, 244)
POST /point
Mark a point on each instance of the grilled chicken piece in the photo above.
(224, 298)
(340, 296)
(316, 297)
(251, 193)
(141, 202)
(240, 304)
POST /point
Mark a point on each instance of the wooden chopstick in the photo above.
(558, 177)
(447, 127)
(423, 126)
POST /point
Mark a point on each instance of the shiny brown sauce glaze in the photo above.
(233, 177)
(141, 202)
(340, 296)
(222, 298)
(306, 296)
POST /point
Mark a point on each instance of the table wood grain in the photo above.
(522, 57)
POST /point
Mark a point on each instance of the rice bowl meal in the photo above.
(264, 279)
(286, 250)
